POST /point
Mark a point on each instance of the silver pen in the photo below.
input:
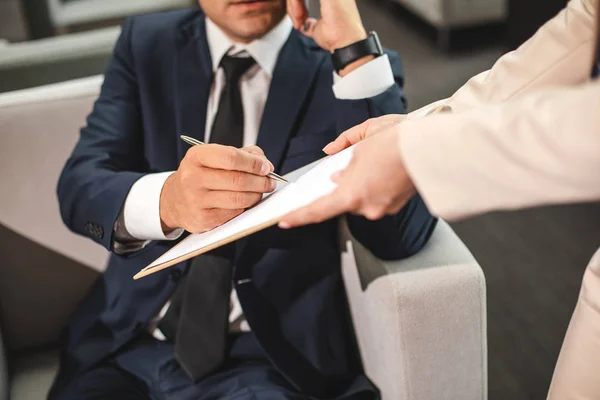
(195, 142)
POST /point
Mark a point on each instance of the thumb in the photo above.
(258, 152)
(297, 11)
(336, 177)
(308, 28)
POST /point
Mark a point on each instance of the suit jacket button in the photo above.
(99, 231)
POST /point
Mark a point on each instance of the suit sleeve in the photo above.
(543, 148)
(560, 53)
(107, 159)
(396, 236)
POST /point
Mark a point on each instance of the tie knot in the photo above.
(235, 67)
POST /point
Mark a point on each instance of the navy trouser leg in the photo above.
(106, 381)
(246, 375)
(148, 370)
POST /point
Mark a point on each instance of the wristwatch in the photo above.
(371, 46)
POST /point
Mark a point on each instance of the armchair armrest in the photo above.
(56, 59)
(3, 372)
(420, 322)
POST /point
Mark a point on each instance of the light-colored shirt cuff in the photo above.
(368, 80)
(142, 209)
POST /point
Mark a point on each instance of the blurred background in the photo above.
(533, 260)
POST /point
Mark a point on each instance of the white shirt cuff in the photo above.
(368, 80)
(142, 209)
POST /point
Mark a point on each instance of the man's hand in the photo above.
(362, 131)
(214, 184)
(374, 184)
(340, 25)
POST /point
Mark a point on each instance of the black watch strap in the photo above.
(371, 46)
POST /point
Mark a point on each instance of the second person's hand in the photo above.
(374, 184)
(362, 131)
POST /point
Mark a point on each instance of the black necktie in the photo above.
(228, 128)
(197, 319)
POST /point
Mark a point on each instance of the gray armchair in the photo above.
(420, 323)
(55, 59)
(49, 17)
(3, 372)
(64, 14)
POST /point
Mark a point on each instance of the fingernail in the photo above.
(327, 147)
(265, 168)
(272, 167)
(284, 225)
(273, 185)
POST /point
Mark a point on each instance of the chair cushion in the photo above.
(33, 375)
(89, 11)
(3, 378)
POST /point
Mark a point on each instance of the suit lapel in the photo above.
(294, 73)
(193, 78)
(292, 79)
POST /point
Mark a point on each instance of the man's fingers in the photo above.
(321, 210)
(210, 219)
(229, 158)
(308, 27)
(230, 200)
(259, 152)
(254, 150)
(217, 179)
(297, 11)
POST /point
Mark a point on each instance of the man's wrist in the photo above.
(361, 34)
(354, 65)
(356, 54)
(347, 39)
(167, 221)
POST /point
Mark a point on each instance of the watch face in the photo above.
(377, 42)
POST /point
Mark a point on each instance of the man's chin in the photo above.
(255, 26)
(255, 5)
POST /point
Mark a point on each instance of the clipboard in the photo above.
(306, 185)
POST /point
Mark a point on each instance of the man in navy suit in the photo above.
(265, 318)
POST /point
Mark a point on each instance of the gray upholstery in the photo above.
(12, 24)
(33, 375)
(63, 14)
(56, 59)
(454, 13)
(420, 323)
(3, 372)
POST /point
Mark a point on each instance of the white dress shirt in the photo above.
(140, 221)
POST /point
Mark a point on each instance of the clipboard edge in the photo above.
(159, 267)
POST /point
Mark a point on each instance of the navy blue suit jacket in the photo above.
(156, 88)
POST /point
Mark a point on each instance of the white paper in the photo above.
(307, 188)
